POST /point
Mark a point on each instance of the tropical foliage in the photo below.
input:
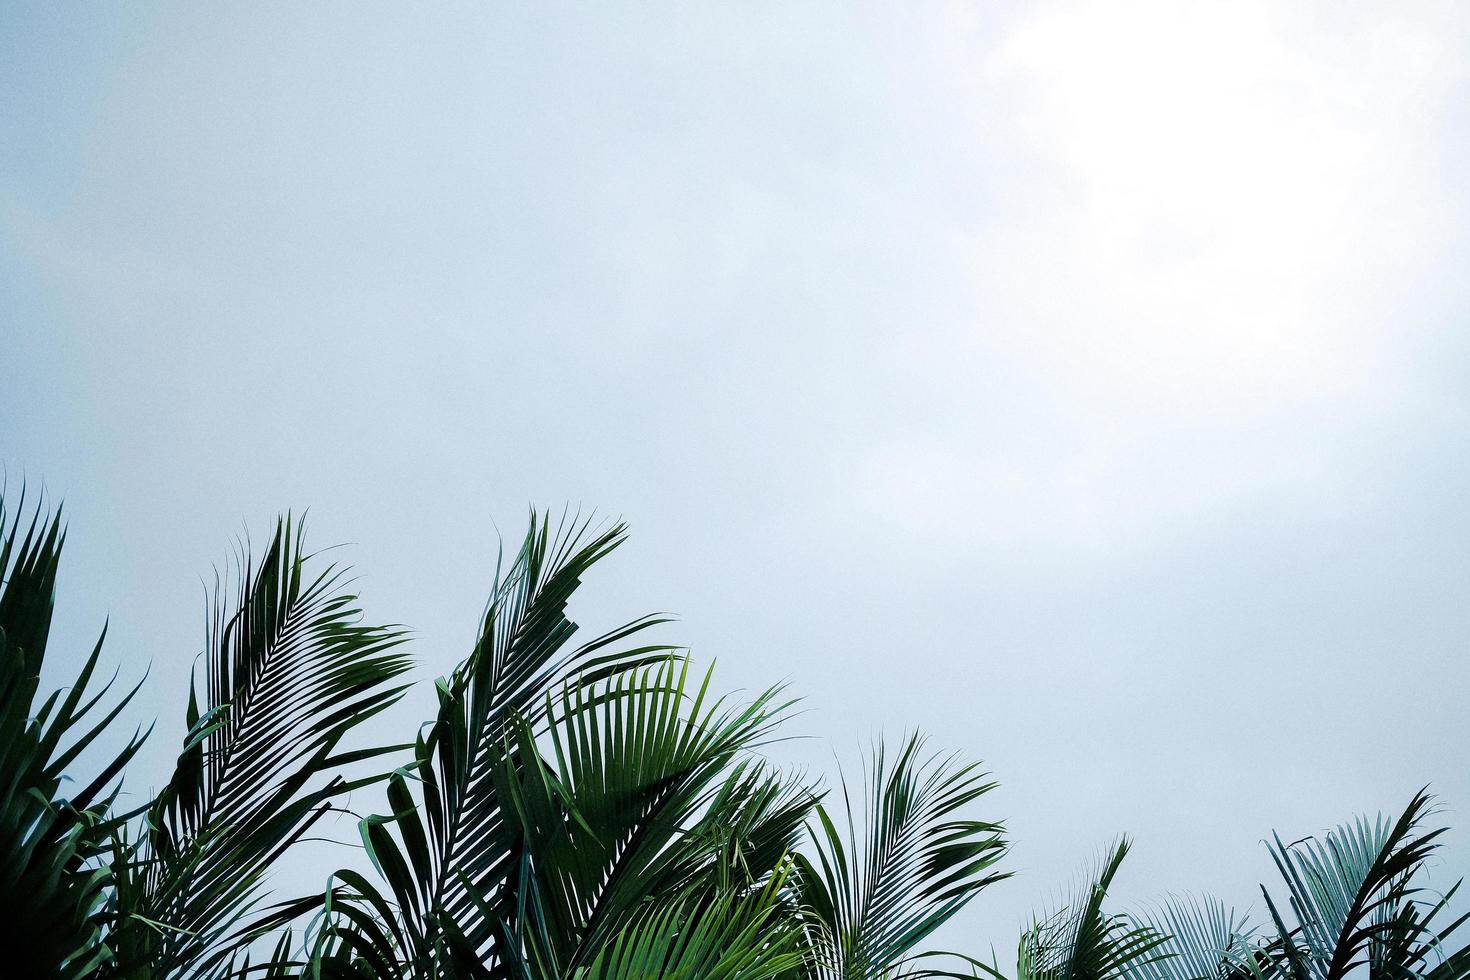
(575, 809)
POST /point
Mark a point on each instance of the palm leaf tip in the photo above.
(1204, 939)
(54, 879)
(876, 892)
(489, 811)
(288, 671)
(1355, 898)
(1083, 941)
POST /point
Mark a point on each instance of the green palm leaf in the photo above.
(617, 815)
(735, 937)
(1357, 901)
(288, 672)
(872, 904)
(54, 881)
(448, 842)
(1205, 940)
(1082, 941)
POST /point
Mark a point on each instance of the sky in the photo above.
(1086, 384)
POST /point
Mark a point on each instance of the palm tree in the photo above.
(1204, 940)
(575, 810)
(161, 891)
(872, 902)
(288, 671)
(1082, 941)
(567, 803)
(1358, 900)
(53, 843)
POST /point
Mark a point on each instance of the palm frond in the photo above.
(734, 937)
(872, 904)
(53, 883)
(448, 841)
(608, 820)
(289, 670)
(753, 822)
(1356, 899)
(1082, 941)
(1205, 940)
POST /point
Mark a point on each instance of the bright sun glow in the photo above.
(1220, 207)
(1226, 162)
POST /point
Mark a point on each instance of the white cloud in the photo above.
(1216, 212)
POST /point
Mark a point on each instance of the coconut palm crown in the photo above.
(575, 809)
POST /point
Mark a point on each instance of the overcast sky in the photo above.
(1085, 383)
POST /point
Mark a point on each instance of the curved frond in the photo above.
(607, 820)
(288, 671)
(1356, 900)
(1082, 941)
(872, 903)
(450, 840)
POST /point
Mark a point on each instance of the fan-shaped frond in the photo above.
(604, 821)
(1205, 940)
(1357, 901)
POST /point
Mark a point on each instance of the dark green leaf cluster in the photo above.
(574, 810)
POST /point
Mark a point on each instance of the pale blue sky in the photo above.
(1085, 383)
